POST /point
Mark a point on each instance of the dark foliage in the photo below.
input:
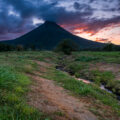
(19, 48)
(67, 46)
(6, 47)
(111, 47)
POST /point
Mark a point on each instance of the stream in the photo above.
(61, 68)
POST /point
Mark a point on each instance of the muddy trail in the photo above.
(52, 99)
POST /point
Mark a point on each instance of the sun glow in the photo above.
(108, 34)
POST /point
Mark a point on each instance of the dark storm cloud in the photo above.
(61, 16)
(84, 7)
(77, 5)
(28, 9)
(7, 22)
(24, 7)
(79, 13)
(10, 23)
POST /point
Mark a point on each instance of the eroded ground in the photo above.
(50, 98)
(31, 88)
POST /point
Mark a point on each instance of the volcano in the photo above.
(48, 35)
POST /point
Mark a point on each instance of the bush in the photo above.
(102, 77)
(67, 46)
(19, 48)
(74, 67)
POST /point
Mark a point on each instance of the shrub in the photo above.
(74, 67)
(67, 46)
(19, 48)
(102, 77)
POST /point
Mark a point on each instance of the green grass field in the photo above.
(14, 85)
(14, 82)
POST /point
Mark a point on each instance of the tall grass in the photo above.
(13, 86)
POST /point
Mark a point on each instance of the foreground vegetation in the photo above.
(14, 82)
(99, 67)
(14, 85)
(81, 64)
(81, 89)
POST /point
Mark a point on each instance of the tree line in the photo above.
(66, 46)
(69, 46)
(6, 47)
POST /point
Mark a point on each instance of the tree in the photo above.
(111, 47)
(67, 46)
(33, 47)
(6, 47)
(19, 48)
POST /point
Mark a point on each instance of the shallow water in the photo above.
(88, 82)
(103, 88)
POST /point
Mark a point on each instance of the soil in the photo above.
(52, 99)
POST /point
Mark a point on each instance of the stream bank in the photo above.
(102, 86)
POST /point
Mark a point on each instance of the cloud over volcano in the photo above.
(88, 17)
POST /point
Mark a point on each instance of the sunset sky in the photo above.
(97, 20)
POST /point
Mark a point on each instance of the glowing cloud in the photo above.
(37, 21)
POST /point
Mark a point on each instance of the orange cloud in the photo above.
(108, 33)
(102, 40)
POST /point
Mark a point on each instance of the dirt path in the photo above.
(52, 99)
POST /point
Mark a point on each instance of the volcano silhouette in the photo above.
(48, 36)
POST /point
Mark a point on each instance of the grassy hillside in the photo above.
(100, 67)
